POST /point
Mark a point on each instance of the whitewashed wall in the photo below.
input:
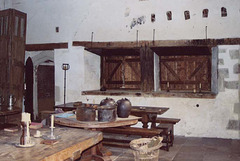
(84, 73)
(5, 4)
(110, 20)
(211, 119)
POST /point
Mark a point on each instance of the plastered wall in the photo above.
(120, 20)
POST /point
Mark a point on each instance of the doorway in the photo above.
(28, 94)
(40, 83)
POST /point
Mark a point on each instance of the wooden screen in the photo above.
(185, 73)
(121, 72)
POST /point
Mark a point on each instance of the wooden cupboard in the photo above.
(12, 55)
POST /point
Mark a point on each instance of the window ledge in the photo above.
(207, 95)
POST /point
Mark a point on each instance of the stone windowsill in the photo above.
(207, 95)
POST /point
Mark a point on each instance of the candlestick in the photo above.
(26, 117)
(25, 139)
(52, 121)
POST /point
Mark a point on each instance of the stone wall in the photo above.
(229, 74)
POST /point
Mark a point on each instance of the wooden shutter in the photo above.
(185, 73)
(121, 71)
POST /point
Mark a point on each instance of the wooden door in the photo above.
(45, 75)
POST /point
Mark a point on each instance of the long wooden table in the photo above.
(72, 143)
(71, 121)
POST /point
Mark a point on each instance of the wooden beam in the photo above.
(147, 73)
(49, 46)
(158, 43)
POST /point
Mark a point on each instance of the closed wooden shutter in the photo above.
(121, 72)
(185, 73)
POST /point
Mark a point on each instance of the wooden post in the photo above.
(147, 65)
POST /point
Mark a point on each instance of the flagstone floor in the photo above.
(190, 149)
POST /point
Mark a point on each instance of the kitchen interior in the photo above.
(171, 67)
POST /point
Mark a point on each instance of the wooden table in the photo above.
(72, 143)
(73, 122)
(148, 114)
(95, 125)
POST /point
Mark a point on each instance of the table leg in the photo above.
(145, 121)
(153, 118)
(102, 153)
(97, 153)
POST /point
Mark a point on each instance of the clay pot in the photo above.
(123, 108)
(107, 111)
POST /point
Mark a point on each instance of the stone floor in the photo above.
(190, 149)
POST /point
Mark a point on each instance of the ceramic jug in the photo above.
(123, 108)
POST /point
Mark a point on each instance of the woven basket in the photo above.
(142, 151)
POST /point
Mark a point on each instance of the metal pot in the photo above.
(123, 108)
(108, 102)
(106, 113)
(86, 112)
(107, 110)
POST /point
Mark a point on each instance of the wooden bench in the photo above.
(167, 125)
(128, 131)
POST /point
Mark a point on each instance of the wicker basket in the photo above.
(143, 152)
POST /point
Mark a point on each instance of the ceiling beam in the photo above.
(158, 43)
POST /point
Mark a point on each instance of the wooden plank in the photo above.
(47, 46)
(126, 82)
(196, 70)
(113, 72)
(133, 131)
(147, 73)
(134, 70)
(171, 70)
(158, 43)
